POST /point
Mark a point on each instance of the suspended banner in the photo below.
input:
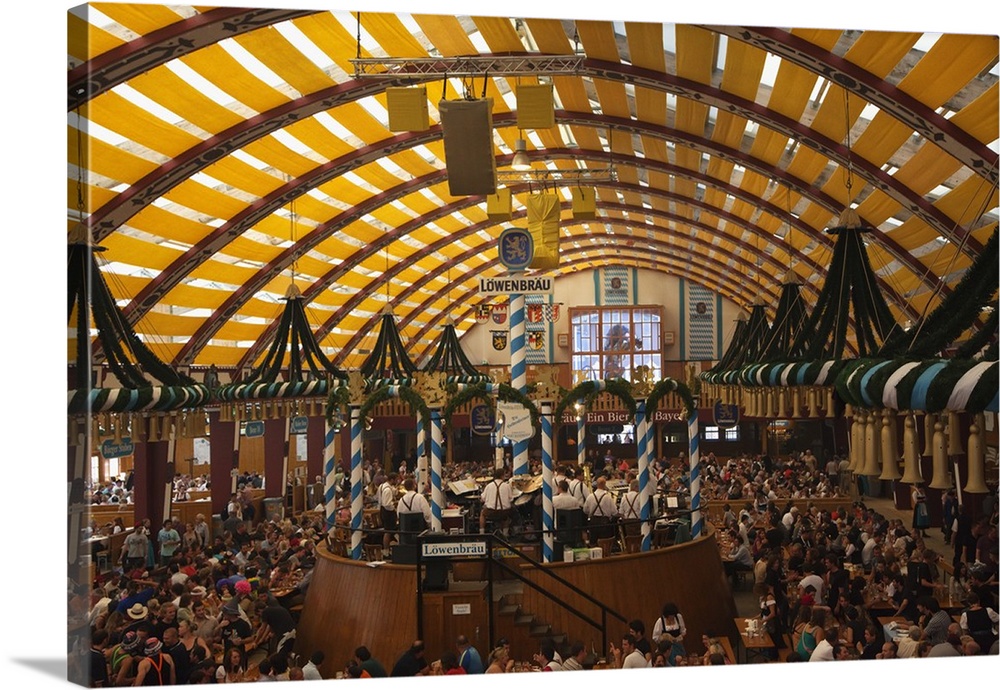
(482, 420)
(499, 340)
(499, 313)
(516, 421)
(536, 340)
(535, 285)
(483, 312)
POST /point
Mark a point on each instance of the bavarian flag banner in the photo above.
(543, 224)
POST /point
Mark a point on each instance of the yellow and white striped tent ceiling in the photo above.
(223, 153)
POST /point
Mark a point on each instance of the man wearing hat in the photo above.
(234, 629)
(155, 668)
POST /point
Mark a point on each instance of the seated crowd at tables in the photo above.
(824, 578)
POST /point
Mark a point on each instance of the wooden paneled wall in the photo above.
(349, 603)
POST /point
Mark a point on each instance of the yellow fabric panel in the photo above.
(274, 152)
(654, 149)
(571, 92)
(550, 36)
(167, 325)
(198, 197)
(165, 87)
(687, 157)
(122, 286)
(221, 355)
(499, 34)
(831, 118)
(792, 87)
(983, 234)
(645, 45)
(729, 129)
(243, 176)
(445, 33)
(119, 115)
(223, 273)
(235, 330)
(912, 234)
(981, 118)
(360, 122)
(950, 63)
(250, 250)
(743, 68)
(280, 56)
(543, 224)
(824, 38)
(410, 161)
(140, 18)
(363, 231)
(691, 116)
(807, 164)
(84, 41)
(162, 223)
(216, 65)
(878, 207)
(134, 251)
(768, 145)
(111, 161)
(391, 34)
(880, 51)
(967, 202)
(614, 102)
(188, 296)
(695, 53)
(598, 39)
(93, 197)
(927, 168)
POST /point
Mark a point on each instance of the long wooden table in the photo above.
(752, 645)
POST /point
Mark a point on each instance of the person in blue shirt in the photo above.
(468, 656)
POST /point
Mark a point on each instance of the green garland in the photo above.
(588, 392)
(459, 398)
(668, 385)
(406, 394)
(336, 399)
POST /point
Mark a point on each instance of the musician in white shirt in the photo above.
(413, 502)
(600, 503)
(387, 507)
(497, 500)
(630, 505)
(576, 486)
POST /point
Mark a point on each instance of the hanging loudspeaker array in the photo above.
(813, 403)
(796, 402)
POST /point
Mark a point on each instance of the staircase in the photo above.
(524, 630)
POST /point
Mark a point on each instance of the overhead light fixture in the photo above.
(520, 162)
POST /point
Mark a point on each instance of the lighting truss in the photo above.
(468, 66)
(580, 175)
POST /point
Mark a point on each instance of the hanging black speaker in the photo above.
(468, 146)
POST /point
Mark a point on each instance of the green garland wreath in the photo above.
(588, 392)
(406, 394)
(505, 392)
(669, 385)
(336, 399)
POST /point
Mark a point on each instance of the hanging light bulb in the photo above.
(520, 162)
(368, 422)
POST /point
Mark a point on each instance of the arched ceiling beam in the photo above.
(254, 351)
(663, 249)
(146, 52)
(284, 194)
(702, 265)
(886, 97)
(164, 178)
(239, 297)
(116, 66)
(468, 296)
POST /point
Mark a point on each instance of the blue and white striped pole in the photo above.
(581, 436)
(357, 484)
(421, 469)
(695, 478)
(329, 471)
(437, 492)
(548, 523)
(518, 372)
(641, 435)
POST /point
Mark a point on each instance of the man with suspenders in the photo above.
(496, 498)
(413, 502)
(156, 668)
(600, 509)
